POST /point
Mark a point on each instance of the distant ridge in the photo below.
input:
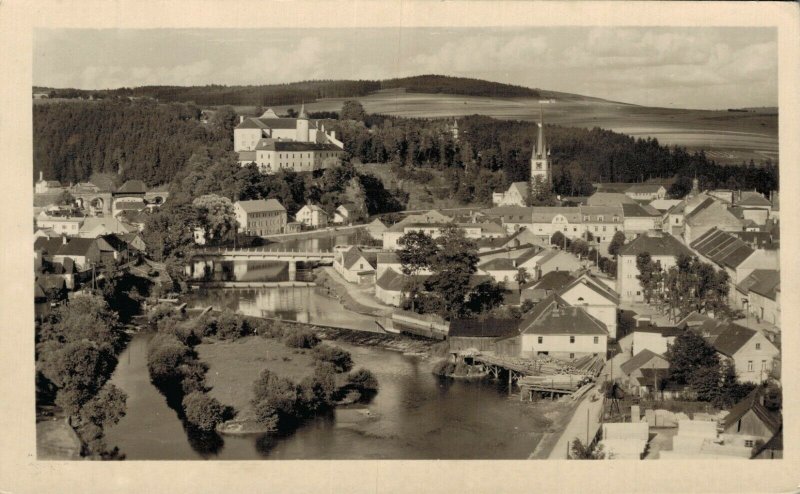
(310, 91)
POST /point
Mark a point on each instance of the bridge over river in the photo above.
(203, 259)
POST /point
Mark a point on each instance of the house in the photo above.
(375, 229)
(312, 215)
(646, 192)
(467, 335)
(97, 226)
(602, 221)
(710, 213)
(134, 241)
(517, 238)
(260, 217)
(114, 248)
(62, 223)
(772, 449)
(597, 299)
(389, 287)
(664, 205)
(348, 213)
(502, 270)
(516, 195)
(513, 218)
(750, 423)
(84, 252)
(751, 352)
(761, 291)
(272, 156)
(640, 219)
(654, 338)
(355, 266)
(733, 255)
(644, 359)
(662, 247)
(473, 231)
(550, 283)
(43, 186)
(545, 221)
(555, 328)
(554, 260)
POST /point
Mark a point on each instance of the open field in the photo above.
(728, 137)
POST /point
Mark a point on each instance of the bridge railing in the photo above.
(255, 250)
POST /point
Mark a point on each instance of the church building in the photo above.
(517, 192)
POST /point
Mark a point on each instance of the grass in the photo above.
(234, 365)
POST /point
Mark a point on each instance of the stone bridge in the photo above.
(203, 259)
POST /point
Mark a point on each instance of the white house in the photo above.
(502, 270)
(559, 330)
(354, 265)
(596, 298)
(389, 287)
(260, 217)
(312, 215)
(646, 192)
(348, 213)
(516, 195)
(61, 224)
(662, 247)
(762, 291)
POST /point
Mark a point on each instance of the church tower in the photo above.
(302, 125)
(540, 159)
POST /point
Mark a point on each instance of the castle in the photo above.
(274, 143)
(518, 192)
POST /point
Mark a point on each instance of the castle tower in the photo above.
(540, 159)
(302, 133)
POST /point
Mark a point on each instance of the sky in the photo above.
(697, 67)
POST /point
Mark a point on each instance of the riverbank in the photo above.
(321, 233)
(353, 297)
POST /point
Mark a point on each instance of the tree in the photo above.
(484, 297)
(453, 264)
(558, 239)
(617, 241)
(540, 193)
(203, 411)
(363, 380)
(686, 354)
(341, 360)
(417, 249)
(521, 278)
(65, 199)
(353, 110)
(274, 400)
(650, 275)
(218, 218)
(580, 451)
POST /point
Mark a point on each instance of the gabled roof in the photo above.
(665, 331)
(510, 214)
(639, 360)
(76, 247)
(752, 402)
(553, 315)
(752, 198)
(639, 211)
(521, 187)
(659, 244)
(349, 207)
(722, 248)
(554, 280)
(545, 214)
(732, 339)
(261, 205)
(664, 204)
(498, 264)
(483, 328)
(314, 207)
(48, 245)
(644, 188)
(598, 287)
(609, 199)
(391, 280)
(765, 282)
(132, 187)
(352, 256)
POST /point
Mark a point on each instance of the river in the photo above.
(415, 415)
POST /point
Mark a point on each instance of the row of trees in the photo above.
(689, 285)
(76, 353)
(582, 248)
(452, 259)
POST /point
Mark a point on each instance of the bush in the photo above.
(444, 368)
(363, 380)
(301, 339)
(160, 312)
(203, 411)
(275, 400)
(342, 360)
(164, 357)
(231, 326)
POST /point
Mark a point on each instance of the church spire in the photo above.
(541, 149)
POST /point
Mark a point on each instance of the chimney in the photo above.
(41, 176)
(241, 118)
(64, 240)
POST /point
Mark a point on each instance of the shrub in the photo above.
(193, 376)
(363, 380)
(203, 411)
(271, 329)
(230, 325)
(341, 359)
(159, 312)
(274, 400)
(164, 356)
(301, 339)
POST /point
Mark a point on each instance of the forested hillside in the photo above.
(297, 92)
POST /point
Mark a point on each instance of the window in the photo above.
(638, 292)
(749, 365)
(572, 339)
(763, 365)
(758, 346)
(571, 355)
(748, 443)
(596, 340)
(541, 339)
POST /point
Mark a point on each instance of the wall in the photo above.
(761, 359)
(654, 342)
(559, 346)
(245, 139)
(627, 283)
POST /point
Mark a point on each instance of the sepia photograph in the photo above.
(495, 241)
